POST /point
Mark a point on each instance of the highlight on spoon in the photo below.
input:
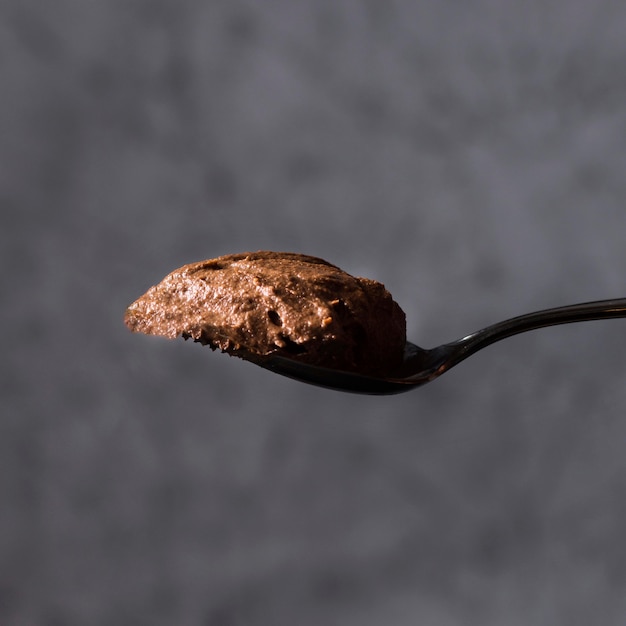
(264, 306)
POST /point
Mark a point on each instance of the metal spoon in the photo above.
(421, 366)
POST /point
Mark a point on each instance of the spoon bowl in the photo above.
(421, 366)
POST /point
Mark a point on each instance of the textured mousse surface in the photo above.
(261, 303)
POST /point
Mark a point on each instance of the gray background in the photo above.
(470, 155)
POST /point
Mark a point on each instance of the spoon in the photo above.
(421, 366)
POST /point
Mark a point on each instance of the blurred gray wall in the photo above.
(470, 155)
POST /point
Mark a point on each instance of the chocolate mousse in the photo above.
(258, 304)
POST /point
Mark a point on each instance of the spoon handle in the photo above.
(587, 311)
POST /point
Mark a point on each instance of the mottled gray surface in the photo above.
(471, 156)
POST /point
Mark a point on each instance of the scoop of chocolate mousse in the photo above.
(258, 304)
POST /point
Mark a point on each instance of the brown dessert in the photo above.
(257, 304)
